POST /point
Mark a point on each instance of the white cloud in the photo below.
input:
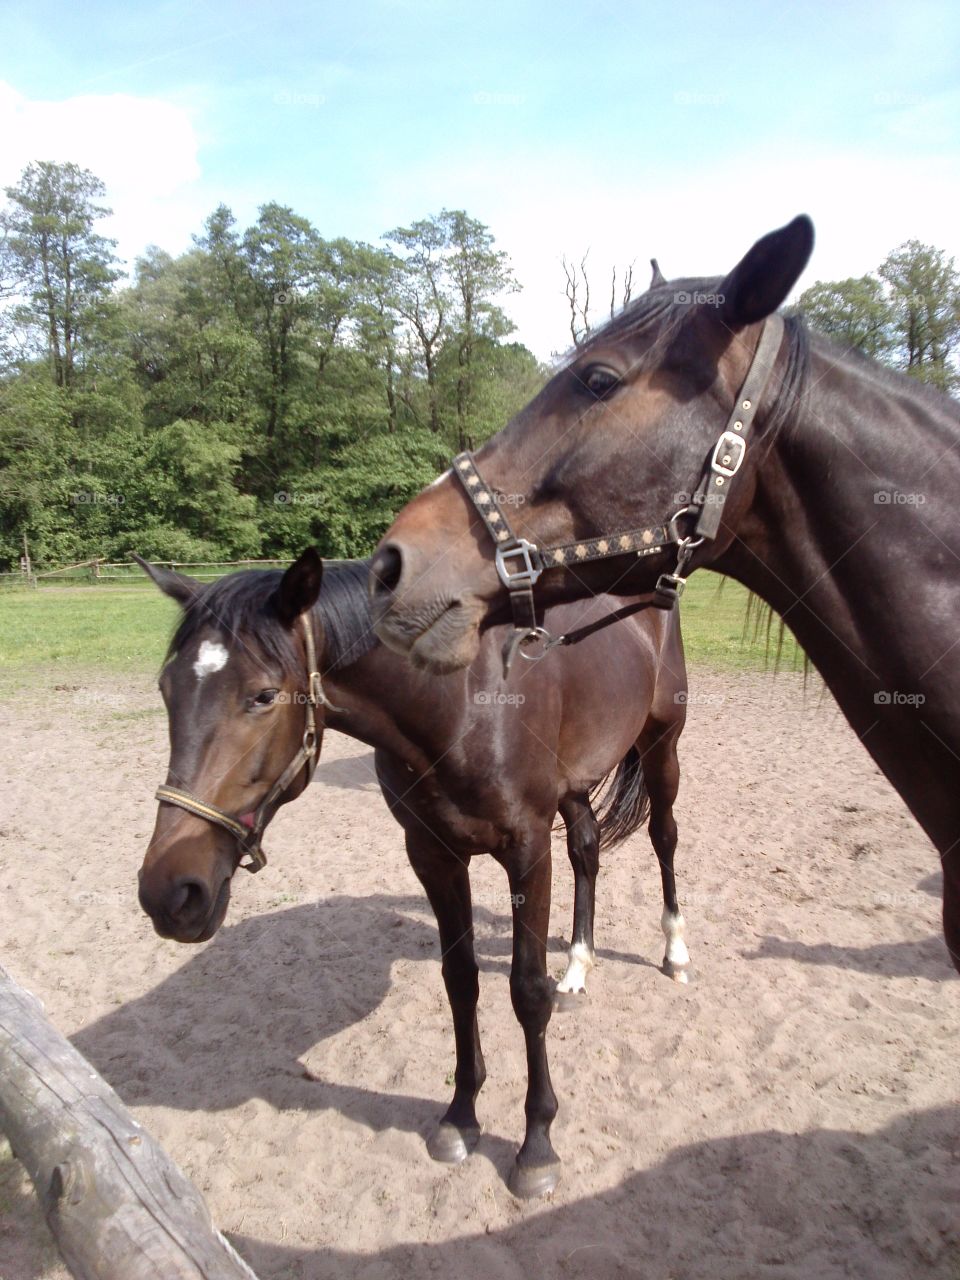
(144, 149)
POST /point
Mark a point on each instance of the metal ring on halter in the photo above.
(685, 544)
(545, 638)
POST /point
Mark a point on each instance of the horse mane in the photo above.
(241, 606)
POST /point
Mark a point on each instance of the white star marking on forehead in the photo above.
(212, 657)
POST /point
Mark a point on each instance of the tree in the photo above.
(265, 388)
(423, 297)
(280, 252)
(854, 312)
(925, 301)
(577, 290)
(480, 274)
(57, 261)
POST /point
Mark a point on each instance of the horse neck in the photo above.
(383, 701)
(870, 587)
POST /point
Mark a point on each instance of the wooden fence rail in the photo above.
(118, 1207)
(100, 570)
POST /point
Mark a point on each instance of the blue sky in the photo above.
(681, 130)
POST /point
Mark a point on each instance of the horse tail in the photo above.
(625, 805)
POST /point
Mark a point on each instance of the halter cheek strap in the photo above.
(248, 837)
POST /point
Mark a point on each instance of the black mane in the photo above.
(241, 606)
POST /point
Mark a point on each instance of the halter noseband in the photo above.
(521, 562)
(248, 837)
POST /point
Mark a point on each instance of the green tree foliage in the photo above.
(854, 312)
(265, 389)
(907, 315)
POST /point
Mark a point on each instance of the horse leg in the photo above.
(536, 1170)
(583, 849)
(447, 883)
(661, 771)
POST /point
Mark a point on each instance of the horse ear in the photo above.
(299, 587)
(175, 585)
(761, 280)
(658, 277)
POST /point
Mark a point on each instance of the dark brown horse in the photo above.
(468, 763)
(840, 512)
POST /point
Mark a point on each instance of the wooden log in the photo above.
(118, 1207)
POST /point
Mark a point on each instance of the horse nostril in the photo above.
(189, 901)
(385, 571)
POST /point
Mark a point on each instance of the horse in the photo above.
(720, 434)
(261, 662)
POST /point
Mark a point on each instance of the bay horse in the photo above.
(726, 436)
(469, 763)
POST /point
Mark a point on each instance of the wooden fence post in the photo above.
(118, 1207)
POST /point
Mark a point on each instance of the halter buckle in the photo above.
(258, 859)
(668, 590)
(315, 689)
(729, 446)
(530, 565)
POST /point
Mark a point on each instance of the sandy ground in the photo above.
(791, 1114)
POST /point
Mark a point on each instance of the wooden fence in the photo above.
(126, 572)
(117, 1205)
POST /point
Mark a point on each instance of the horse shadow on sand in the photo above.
(232, 1022)
(235, 1020)
(921, 958)
(826, 1204)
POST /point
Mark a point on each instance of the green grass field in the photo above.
(125, 628)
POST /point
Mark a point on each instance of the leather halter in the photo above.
(248, 837)
(521, 562)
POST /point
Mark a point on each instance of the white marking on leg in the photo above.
(676, 961)
(579, 963)
(212, 657)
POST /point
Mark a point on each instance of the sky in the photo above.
(677, 130)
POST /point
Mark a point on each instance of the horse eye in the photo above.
(600, 381)
(266, 698)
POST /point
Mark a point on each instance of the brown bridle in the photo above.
(248, 836)
(520, 562)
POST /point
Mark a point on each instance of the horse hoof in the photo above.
(451, 1145)
(678, 972)
(568, 1001)
(528, 1182)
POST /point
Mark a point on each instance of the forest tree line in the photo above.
(270, 387)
